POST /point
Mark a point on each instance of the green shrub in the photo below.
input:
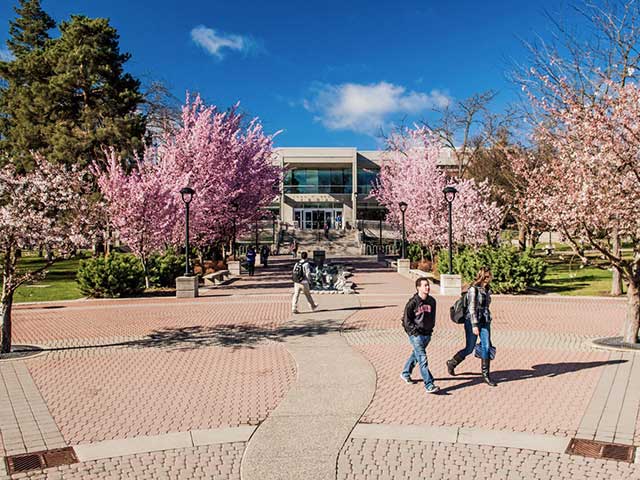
(513, 271)
(117, 275)
(164, 268)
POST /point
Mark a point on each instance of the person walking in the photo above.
(326, 230)
(477, 323)
(301, 277)
(264, 255)
(251, 260)
(294, 248)
(418, 321)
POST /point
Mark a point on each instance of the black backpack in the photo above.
(459, 309)
(298, 273)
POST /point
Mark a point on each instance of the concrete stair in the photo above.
(340, 242)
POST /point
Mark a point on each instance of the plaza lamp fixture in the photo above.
(403, 208)
(450, 195)
(187, 194)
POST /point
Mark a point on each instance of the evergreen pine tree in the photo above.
(67, 97)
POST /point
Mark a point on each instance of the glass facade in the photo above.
(366, 179)
(314, 180)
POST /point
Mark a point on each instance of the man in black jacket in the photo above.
(418, 321)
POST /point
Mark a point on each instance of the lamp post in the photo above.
(273, 227)
(449, 195)
(381, 216)
(403, 208)
(257, 234)
(187, 194)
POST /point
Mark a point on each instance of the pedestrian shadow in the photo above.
(536, 371)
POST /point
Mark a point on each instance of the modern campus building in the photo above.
(331, 185)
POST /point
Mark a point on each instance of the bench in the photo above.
(216, 278)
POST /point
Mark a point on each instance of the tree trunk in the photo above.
(616, 281)
(5, 312)
(145, 268)
(632, 320)
(522, 237)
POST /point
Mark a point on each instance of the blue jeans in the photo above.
(471, 339)
(419, 355)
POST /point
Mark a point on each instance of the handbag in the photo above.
(477, 350)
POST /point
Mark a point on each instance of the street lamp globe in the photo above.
(449, 193)
(187, 194)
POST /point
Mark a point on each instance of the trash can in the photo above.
(318, 257)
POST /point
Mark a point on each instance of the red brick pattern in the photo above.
(220, 462)
(388, 459)
(127, 319)
(149, 392)
(548, 314)
(540, 391)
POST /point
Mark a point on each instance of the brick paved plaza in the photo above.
(231, 386)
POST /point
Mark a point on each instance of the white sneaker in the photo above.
(314, 308)
(295, 311)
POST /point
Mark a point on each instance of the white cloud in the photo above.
(216, 43)
(6, 55)
(367, 108)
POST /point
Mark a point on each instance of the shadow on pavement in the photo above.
(536, 371)
(228, 335)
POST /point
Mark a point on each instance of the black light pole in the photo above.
(449, 195)
(381, 215)
(187, 194)
(273, 227)
(403, 208)
(257, 235)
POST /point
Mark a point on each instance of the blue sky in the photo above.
(326, 73)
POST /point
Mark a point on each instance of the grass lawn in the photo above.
(567, 277)
(59, 284)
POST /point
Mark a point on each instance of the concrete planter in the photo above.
(234, 267)
(450, 284)
(187, 287)
(403, 265)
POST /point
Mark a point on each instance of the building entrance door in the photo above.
(315, 218)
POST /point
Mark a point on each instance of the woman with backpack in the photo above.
(477, 323)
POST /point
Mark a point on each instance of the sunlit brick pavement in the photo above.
(119, 369)
(369, 459)
(211, 462)
(546, 369)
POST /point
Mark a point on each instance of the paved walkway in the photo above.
(301, 438)
(230, 385)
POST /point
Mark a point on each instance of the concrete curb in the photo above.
(167, 441)
(469, 436)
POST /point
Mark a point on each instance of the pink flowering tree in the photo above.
(229, 165)
(47, 206)
(410, 173)
(140, 203)
(588, 188)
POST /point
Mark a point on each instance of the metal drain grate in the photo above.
(24, 463)
(607, 451)
(38, 460)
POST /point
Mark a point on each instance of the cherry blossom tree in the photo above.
(410, 173)
(588, 188)
(141, 204)
(47, 206)
(229, 165)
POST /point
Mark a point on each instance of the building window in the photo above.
(366, 179)
(312, 180)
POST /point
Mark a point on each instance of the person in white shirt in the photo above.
(301, 277)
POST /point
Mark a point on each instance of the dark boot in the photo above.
(486, 372)
(453, 363)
